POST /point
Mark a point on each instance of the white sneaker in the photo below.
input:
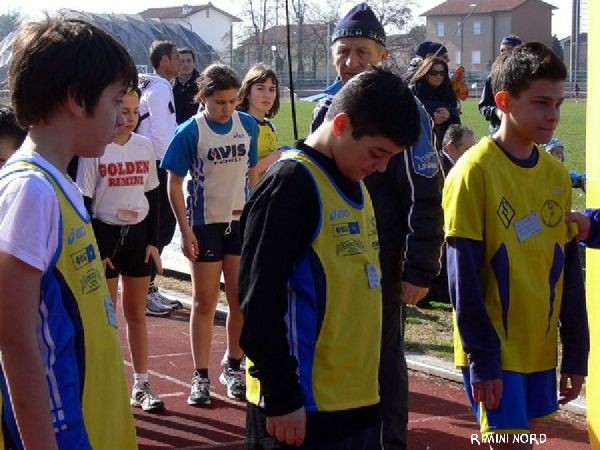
(154, 307)
(165, 302)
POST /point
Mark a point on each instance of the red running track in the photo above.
(440, 418)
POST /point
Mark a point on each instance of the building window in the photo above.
(458, 60)
(459, 28)
(439, 28)
(476, 27)
(476, 57)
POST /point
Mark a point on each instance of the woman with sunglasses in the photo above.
(432, 86)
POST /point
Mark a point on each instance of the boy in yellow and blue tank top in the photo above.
(62, 383)
(310, 270)
(513, 265)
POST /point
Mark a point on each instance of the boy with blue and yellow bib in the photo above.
(310, 283)
(513, 265)
(62, 380)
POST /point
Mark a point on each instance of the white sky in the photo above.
(561, 20)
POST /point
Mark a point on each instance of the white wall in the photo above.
(214, 29)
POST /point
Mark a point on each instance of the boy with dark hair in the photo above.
(513, 266)
(11, 134)
(312, 373)
(62, 382)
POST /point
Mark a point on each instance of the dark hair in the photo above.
(455, 133)
(528, 62)
(258, 73)
(378, 103)
(57, 57)
(216, 77)
(187, 50)
(158, 49)
(9, 126)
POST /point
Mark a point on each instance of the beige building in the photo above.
(472, 30)
(212, 24)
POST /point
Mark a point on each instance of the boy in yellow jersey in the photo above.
(310, 279)
(513, 267)
(62, 383)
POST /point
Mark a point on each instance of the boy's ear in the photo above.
(502, 99)
(74, 106)
(340, 123)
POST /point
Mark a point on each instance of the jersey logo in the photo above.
(551, 213)
(427, 164)
(338, 214)
(343, 229)
(143, 83)
(506, 212)
(83, 257)
(228, 153)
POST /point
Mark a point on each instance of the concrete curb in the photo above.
(428, 365)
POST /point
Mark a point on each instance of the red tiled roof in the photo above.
(176, 12)
(456, 7)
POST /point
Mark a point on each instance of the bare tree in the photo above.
(394, 15)
(260, 16)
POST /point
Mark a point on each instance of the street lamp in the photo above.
(274, 57)
(472, 7)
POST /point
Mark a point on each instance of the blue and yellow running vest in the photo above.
(334, 303)
(79, 343)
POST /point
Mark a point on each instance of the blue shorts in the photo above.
(217, 240)
(525, 396)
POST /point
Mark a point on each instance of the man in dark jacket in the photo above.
(184, 86)
(487, 104)
(407, 202)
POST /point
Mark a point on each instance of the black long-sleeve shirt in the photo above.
(278, 225)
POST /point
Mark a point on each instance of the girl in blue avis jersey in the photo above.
(217, 151)
(120, 191)
(259, 97)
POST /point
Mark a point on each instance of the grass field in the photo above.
(571, 131)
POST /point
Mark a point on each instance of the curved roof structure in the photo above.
(135, 33)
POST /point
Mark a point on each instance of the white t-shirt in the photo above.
(157, 112)
(29, 209)
(118, 179)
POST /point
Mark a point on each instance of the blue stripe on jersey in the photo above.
(501, 266)
(195, 189)
(556, 269)
(183, 149)
(306, 310)
(12, 438)
(65, 319)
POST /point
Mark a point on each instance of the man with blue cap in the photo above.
(487, 104)
(407, 202)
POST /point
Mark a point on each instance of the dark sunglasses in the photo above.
(433, 73)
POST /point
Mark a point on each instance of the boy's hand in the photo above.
(106, 262)
(583, 224)
(569, 387)
(412, 294)
(189, 244)
(152, 252)
(489, 392)
(289, 428)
